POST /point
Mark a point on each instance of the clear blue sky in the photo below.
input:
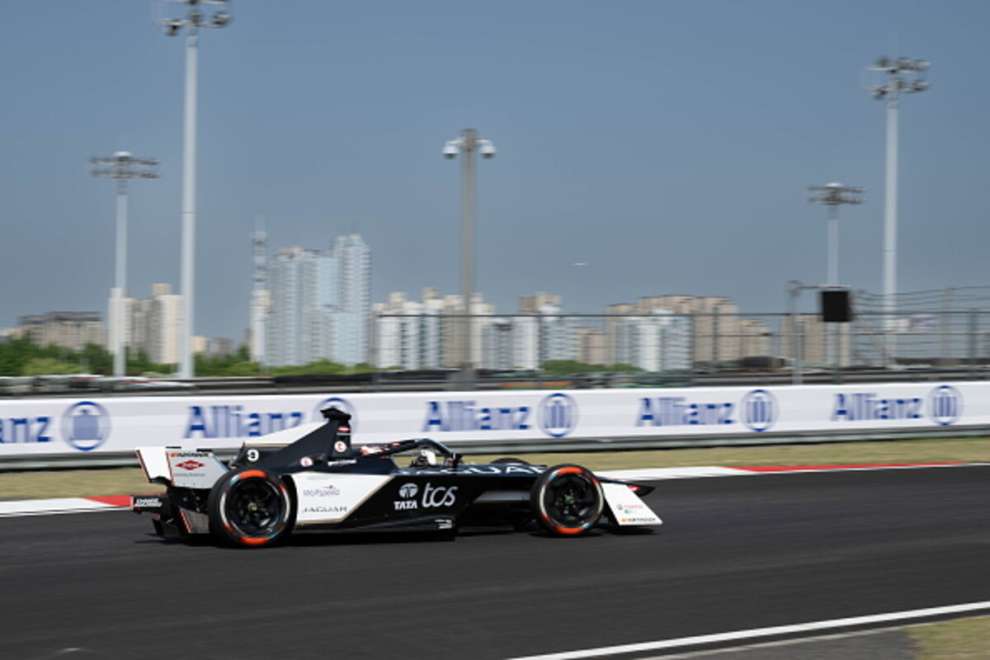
(668, 144)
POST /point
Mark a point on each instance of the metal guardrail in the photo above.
(92, 461)
(494, 381)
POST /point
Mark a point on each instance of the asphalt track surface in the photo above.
(735, 553)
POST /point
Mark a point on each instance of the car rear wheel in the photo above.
(567, 500)
(250, 507)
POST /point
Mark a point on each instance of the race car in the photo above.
(311, 478)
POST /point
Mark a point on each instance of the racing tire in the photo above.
(567, 500)
(509, 461)
(250, 507)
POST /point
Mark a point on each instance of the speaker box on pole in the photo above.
(836, 306)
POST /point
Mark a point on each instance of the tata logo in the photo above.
(407, 492)
(558, 414)
(86, 425)
(189, 465)
(759, 410)
(340, 404)
(945, 405)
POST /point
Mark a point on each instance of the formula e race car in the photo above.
(311, 478)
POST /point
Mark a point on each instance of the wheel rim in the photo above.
(255, 507)
(571, 500)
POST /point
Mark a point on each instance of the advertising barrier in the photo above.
(113, 425)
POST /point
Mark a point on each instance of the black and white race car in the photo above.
(311, 478)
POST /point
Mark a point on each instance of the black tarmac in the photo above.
(735, 553)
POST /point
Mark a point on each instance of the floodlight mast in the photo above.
(467, 145)
(196, 16)
(833, 195)
(121, 167)
(902, 76)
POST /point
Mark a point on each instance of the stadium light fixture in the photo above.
(467, 145)
(833, 195)
(902, 75)
(122, 166)
(196, 15)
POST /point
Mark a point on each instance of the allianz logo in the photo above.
(447, 416)
(233, 421)
(434, 497)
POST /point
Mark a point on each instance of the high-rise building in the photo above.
(353, 305)
(811, 338)
(319, 304)
(151, 325)
(72, 330)
(547, 336)
(427, 334)
(591, 346)
(260, 297)
(498, 345)
(717, 331)
(164, 322)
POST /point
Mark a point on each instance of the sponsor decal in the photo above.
(407, 492)
(558, 414)
(870, 406)
(679, 411)
(234, 421)
(338, 403)
(945, 405)
(306, 461)
(340, 446)
(479, 469)
(452, 416)
(86, 425)
(325, 508)
(146, 502)
(434, 497)
(189, 465)
(439, 496)
(349, 461)
(322, 491)
(759, 410)
(25, 429)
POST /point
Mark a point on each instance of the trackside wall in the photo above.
(104, 426)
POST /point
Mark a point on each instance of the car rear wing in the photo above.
(182, 468)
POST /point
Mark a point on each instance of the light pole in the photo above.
(833, 195)
(194, 19)
(902, 76)
(121, 167)
(467, 145)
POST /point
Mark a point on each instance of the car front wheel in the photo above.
(567, 500)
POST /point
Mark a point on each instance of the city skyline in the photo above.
(646, 158)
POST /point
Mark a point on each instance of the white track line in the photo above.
(662, 474)
(757, 633)
(659, 474)
(14, 508)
